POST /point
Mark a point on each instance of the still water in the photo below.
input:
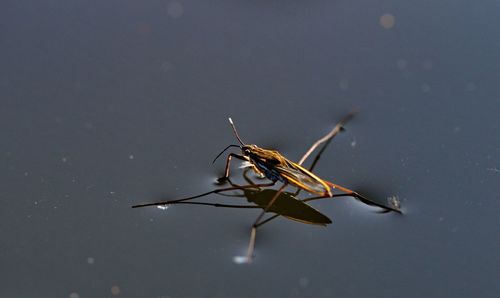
(107, 104)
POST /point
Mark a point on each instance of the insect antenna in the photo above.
(235, 132)
(218, 155)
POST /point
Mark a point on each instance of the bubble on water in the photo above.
(303, 282)
(344, 84)
(387, 21)
(402, 64)
(162, 207)
(426, 88)
(166, 66)
(64, 159)
(115, 290)
(394, 202)
(470, 87)
(427, 65)
(175, 9)
(131, 156)
(90, 260)
(240, 259)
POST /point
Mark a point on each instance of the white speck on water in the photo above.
(394, 202)
(240, 259)
(496, 170)
(427, 65)
(402, 64)
(303, 282)
(26, 174)
(166, 66)
(131, 156)
(470, 87)
(344, 84)
(162, 207)
(353, 143)
(175, 9)
(441, 219)
(90, 260)
(111, 192)
(426, 88)
(74, 295)
(64, 159)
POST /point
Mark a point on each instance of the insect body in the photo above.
(275, 167)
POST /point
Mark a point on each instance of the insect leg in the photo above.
(326, 140)
(228, 162)
(362, 198)
(217, 205)
(327, 137)
(253, 233)
(247, 179)
(204, 194)
(271, 202)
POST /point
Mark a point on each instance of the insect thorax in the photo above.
(265, 161)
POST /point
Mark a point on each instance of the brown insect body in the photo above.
(276, 167)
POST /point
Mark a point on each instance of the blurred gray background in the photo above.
(106, 104)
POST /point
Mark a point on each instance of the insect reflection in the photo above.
(276, 168)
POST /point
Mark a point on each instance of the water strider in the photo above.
(275, 167)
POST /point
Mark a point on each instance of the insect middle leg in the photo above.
(253, 232)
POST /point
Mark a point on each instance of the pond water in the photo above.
(108, 104)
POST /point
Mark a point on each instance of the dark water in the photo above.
(106, 104)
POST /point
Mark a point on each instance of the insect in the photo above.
(276, 168)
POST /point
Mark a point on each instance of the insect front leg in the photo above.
(228, 163)
(215, 191)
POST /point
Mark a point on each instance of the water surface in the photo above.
(109, 104)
